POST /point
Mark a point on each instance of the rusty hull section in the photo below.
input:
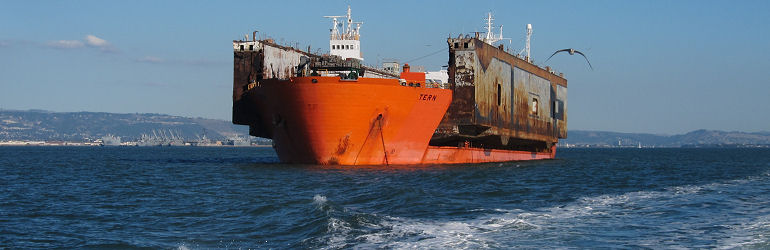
(254, 61)
(501, 101)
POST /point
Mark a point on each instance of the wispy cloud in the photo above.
(94, 41)
(203, 62)
(150, 59)
(20, 42)
(101, 44)
(65, 44)
(90, 41)
(187, 62)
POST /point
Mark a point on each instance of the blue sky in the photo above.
(659, 66)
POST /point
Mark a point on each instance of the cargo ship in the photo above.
(492, 105)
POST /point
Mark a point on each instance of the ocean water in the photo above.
(201, 198)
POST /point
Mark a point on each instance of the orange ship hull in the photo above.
(368, 121)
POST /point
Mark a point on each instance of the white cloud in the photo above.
(103, 45)
(66, 44)
(89, 41)
(94, 41)
(150, 59)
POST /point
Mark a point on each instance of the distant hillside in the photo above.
(83, 126)
(700, 137)
(42, 125)
(694, 138)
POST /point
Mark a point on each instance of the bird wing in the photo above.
(554, 53)
(584, 56)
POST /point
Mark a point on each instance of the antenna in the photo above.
(350, 22)
(335, 32)
(489, 19)
(529, 34)
(501, 32)
(490, 37)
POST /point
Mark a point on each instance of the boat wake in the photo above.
(690, 215)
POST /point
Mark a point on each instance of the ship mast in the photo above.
(529, 34)
(350, 20)
(334, 31)
(490, 37)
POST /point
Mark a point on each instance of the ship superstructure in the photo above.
(489, 105)
(344, 40)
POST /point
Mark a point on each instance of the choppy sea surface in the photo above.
(200, 198)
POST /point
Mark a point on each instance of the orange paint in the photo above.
(409, 76)
(368, 121)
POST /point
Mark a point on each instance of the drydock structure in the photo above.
(331, 109)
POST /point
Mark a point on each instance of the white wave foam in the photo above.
(583, 216)
(749, 234)
(321, 203)
(339, 231)
(405, 233)
(319, 199)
